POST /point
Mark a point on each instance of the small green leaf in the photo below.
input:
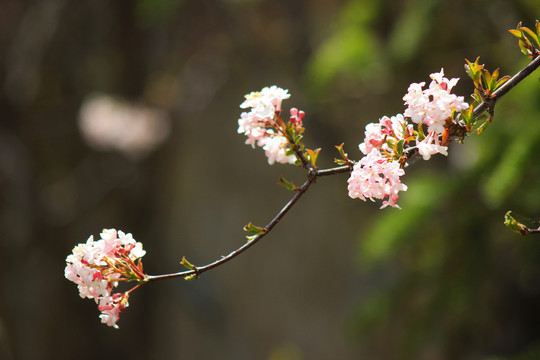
(467, 117)
(501, 81)
(187, 264)
(398, 148)
(532, 35)
(523, 46)
(312, 156)
(483, 125)
(190, 277)
(513, 224)
(252, 229)
(250, 238)
(290, 152)
(287, 184)
(474, 70)
(344, 156)
(516, 33)
(487, 80)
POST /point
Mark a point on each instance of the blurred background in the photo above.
(123, 114)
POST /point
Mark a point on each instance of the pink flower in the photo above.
(435, 105)
(374, 138)
(111, 307)
(275, 149)
(259, 125)
(97, 266)
(297, 116)
(430, 146)
(387, 130)
(376, 177)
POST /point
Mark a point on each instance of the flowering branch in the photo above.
(434, 117)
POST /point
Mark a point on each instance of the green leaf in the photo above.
(516, 33)
(513, 224)
(290, 152)
(467, 117)
(187, 264)
(532, 35)
(312, 156)
(398, 148)
(482, 123)
(190, 277)
(502, 81)
(487, 80)
(287, 184)
(344, 156)
(523, 46)
(474, 70)
(252, 229)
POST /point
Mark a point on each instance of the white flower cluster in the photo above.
(377, 175)
(97, 266)
(433, 106)
(259, 123)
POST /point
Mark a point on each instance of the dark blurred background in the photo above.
(337, 279)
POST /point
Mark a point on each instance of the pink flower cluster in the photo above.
(97, 267)
(259, 124)
(433, 106)
(387, 132)
(377, 175)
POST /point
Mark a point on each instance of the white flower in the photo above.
(266, 101)
(431, 146)
(259, 124)
(433, 106)
(111, 307)
(275, 148)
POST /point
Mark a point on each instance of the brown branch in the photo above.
(312, 177)
(199, 270)
(336, 170)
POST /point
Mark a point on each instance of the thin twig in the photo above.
(336, 170)
(199, 270)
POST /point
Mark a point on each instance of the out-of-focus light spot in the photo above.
(133, 129)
